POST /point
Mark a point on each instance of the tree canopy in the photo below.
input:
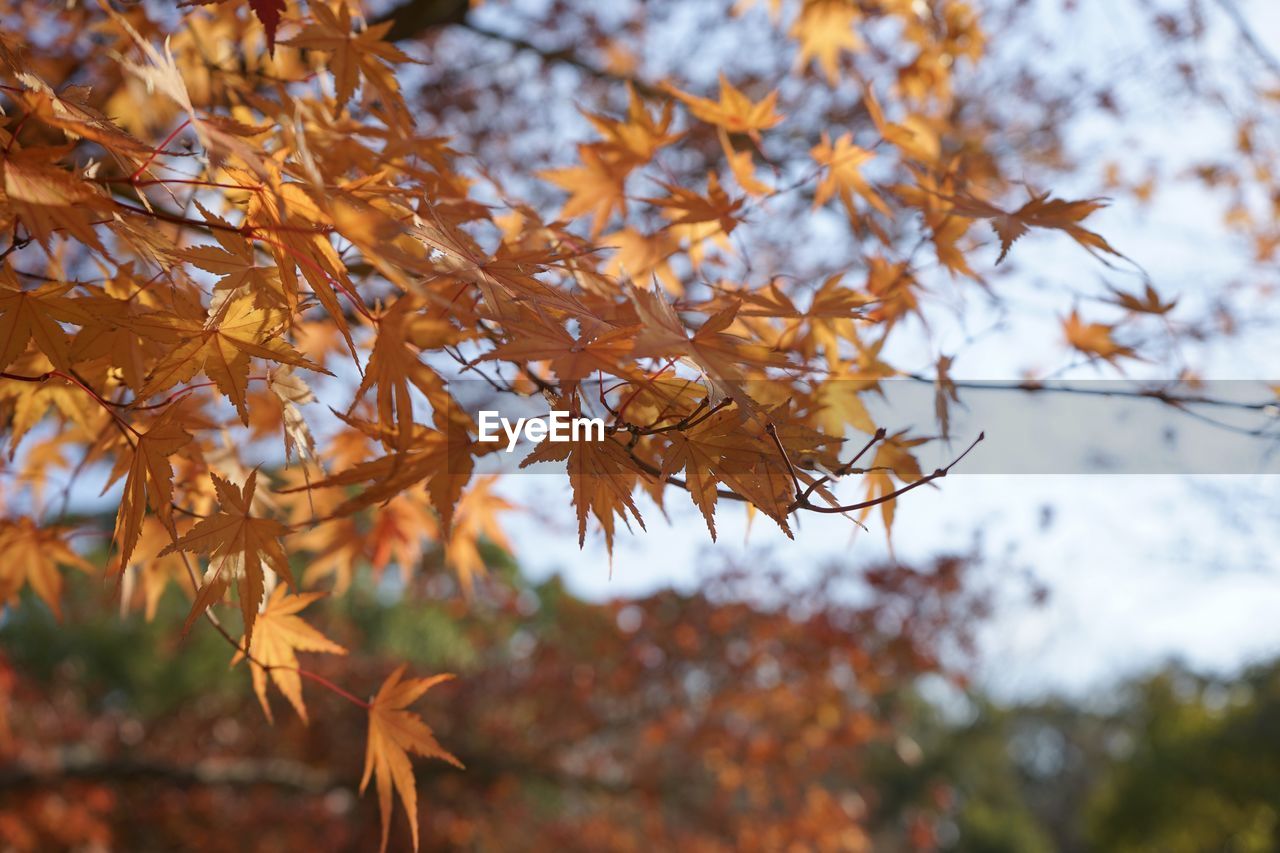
(261, 262)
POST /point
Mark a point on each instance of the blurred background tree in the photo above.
(686, 721)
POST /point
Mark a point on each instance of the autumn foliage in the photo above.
(242, 272)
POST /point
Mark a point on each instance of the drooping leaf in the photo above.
(394, 734)
(279, 634)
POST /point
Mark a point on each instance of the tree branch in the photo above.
(1251, 39)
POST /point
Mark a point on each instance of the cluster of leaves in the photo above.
(218, 217)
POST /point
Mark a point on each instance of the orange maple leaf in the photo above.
(825, 29)
(597, 187)
(394, 733)
(221, 346)
(1041, 211)
(279, 634)
(28, 314)
(532, 337)
(640, 135)
(1094, 339)
(237, 543)
(352, 55)
(32, 555)
(602, 477)
(735, 112)
(150, 481)
(707, 448)
(843, 175)
(686, 207)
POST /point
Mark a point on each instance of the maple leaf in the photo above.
(352, 55)
(219, 135)
(641, 257)
(221, 346)
(109, 334)
(393, 367)
(744, 172)
(1094, 339)
(1040, 211)
(944, 394)
(237, 543)
(337, 548)
(47, 198)
(1149, 303)
(711, 446)
(394, 733)
(734, 112)
(268, 12)
(35, 314)
(685, 206)
(641, 135)
(477, 518)
(893, 459)
(234, 259)
(156, 572)
(71, 110)
(721, 357)
(843, 176)
(289, 389)
(825, 29)
(945, 238)
(289, 213)
(597, 187)
(150, 480)
(602, 476)
(915, 136)
(279, 634)
(32, 555)
(840, 404)
(441, 459)
(894, 286)
(25, 403)
(533, 338)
